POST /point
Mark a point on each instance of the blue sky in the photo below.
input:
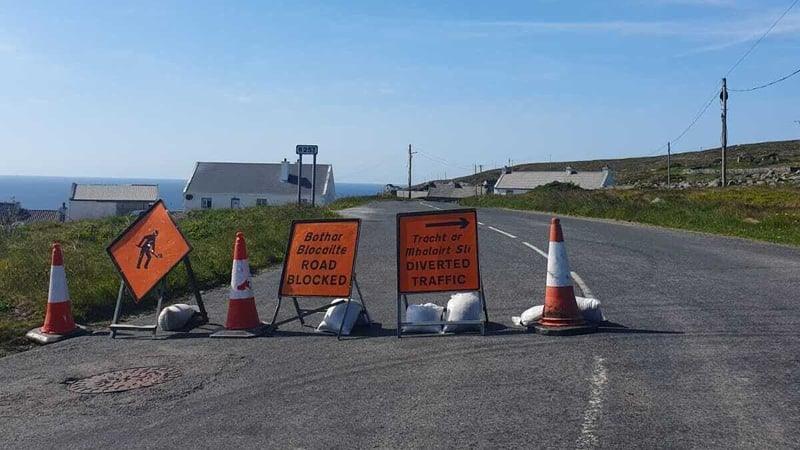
(144, 89)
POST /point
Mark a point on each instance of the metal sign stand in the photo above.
(404, 306)
(162, 289)
(302, 313)
(306, 150)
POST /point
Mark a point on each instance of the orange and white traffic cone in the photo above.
(561, 315)
(242, 320)
(58, 321)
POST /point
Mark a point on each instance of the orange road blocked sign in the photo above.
(148, 249)
(320, 258)
(437, 252)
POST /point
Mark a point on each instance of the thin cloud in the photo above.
(712, 34)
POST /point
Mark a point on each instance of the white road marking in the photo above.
(578, 280)
(429, 206)
(582, 284)
(480, 223)
(502, 232)
(534, 248)
(591, 417)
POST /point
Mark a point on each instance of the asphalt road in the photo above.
(707, 354)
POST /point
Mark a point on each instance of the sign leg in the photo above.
(483, 302)
(117, 309)
(299, 311)
(161, 292)
(341, 324)
(361, 297)
(275, 315)
(193, 281)
(399, 331)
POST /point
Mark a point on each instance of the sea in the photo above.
(49, 192)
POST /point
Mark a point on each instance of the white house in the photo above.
(92, 201)
(520, 182)
(239, 185)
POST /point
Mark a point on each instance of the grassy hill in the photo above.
(653, 169)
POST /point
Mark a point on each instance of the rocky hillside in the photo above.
(765, 163)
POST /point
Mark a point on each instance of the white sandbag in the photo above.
(428, 312)
(335, 314)
(463, 306)
(529, 316)
(589, 308)
(175, 317)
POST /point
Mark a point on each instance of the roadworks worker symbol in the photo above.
(320, 258)
(148, 249)
(437, 252)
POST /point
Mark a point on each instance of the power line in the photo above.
(440, 160)
(733, 67)
(755, 44)
(755, 88)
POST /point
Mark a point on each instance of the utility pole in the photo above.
(475, 176)
(480, 170)
(669, 151)
(410, 153)
(723, 96)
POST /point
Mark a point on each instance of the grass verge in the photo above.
(352, 202)
(93, 281)
(763, 213)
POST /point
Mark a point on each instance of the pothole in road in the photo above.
(123, 380)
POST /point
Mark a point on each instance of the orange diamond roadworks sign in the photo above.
(148, 249)
(320, 258)
(437, 252)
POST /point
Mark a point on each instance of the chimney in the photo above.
(284, 171)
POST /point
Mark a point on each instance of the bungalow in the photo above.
(92, 201)
(520, 182)
(222, 185)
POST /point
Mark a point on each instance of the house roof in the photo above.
(115, 192)
(530, 180)
(255, 178)
(43, 215)
(452, 190)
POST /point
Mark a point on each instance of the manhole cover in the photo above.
(123, 380)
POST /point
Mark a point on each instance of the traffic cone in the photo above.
(58, 321)
(242, 320)
(561, 315)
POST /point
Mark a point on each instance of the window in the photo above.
(261, 202)
(205, 202)
(234, 203)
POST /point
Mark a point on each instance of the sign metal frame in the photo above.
(302, 313)
(161, 284)
(402, 297)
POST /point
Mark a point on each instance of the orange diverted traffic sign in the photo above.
(320, 258)
(148, 249)
(437, 252)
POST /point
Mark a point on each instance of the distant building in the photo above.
(452, 191)
(92, 201)
(239, 185)
(520, 182)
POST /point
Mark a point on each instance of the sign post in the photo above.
(320, 262)
(438, 252)
(144, 254)
(307, 150)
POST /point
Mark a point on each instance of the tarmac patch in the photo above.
(123, 380)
